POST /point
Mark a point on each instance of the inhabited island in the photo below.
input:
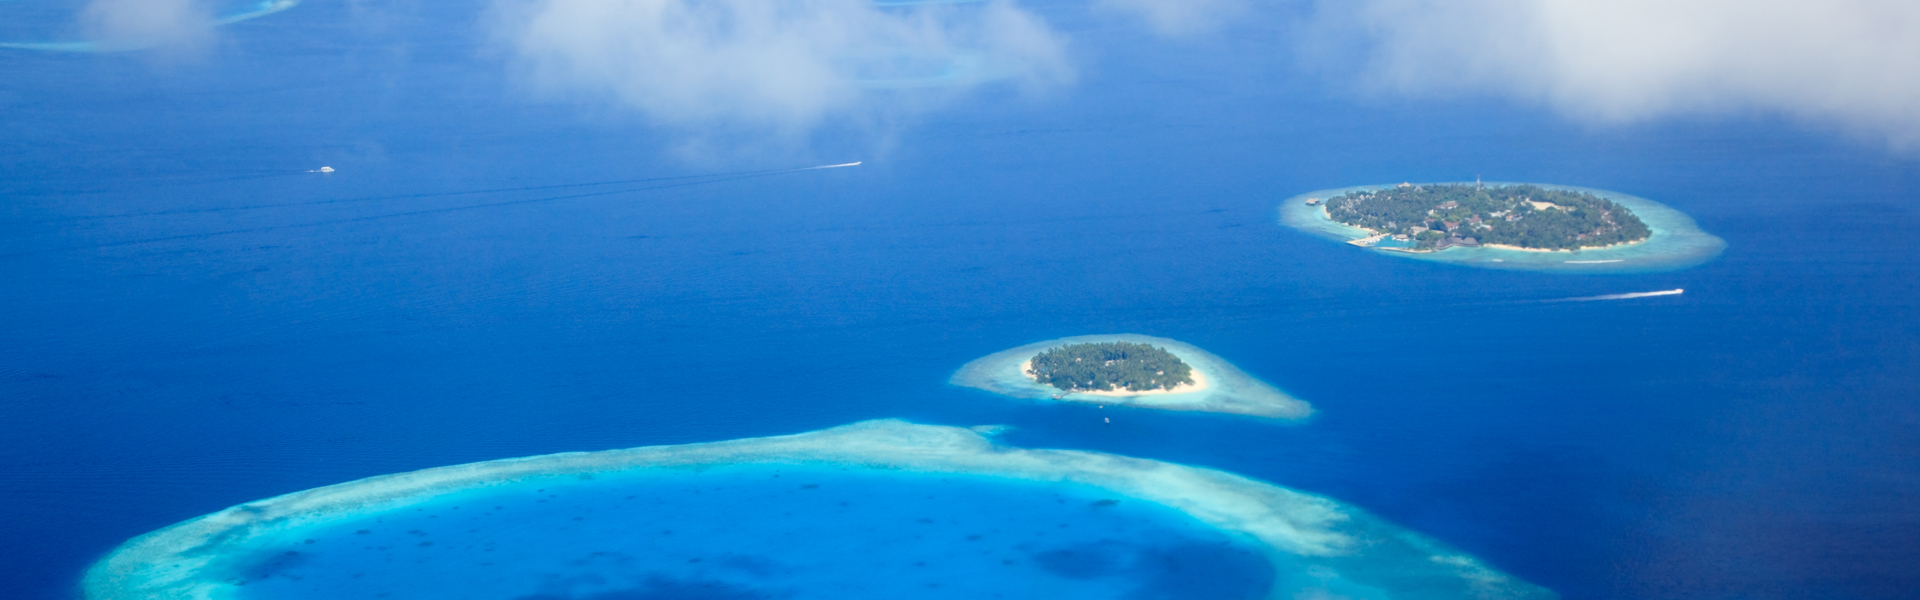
(1437, 216)
(1111, 367)
(1532, 226)
(1128, 370)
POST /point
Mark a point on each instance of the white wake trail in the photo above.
(851, 164)
(1674, 292)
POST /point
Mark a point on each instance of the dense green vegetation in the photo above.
(1438, 216)
(1105, 366)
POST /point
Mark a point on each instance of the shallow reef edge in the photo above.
(1317, 547)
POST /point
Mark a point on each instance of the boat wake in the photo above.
(1673, 292)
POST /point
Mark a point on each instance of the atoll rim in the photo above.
(1228, 389)
(1676, 242)
(801, 516)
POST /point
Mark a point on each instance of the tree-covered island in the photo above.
(1107, 366)
(1439, 216)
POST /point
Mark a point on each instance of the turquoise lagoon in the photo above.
(1677, 243)
(1229, 390)
(878, 509)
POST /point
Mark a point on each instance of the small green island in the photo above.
(1131, 370)
(1432, 217)
(1110, 367)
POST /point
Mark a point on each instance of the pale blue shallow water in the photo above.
(1753, 438)
(762, 532)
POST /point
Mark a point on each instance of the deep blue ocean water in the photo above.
(1756, 437)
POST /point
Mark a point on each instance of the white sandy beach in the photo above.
(1621, 244)
(1372, 235)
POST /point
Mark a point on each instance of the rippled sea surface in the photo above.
(191, 320)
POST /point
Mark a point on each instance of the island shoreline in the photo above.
(1228, 390)
(1676, 242)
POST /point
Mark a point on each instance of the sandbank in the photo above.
(1225, 388)
(1318, 547)
(1676, 241)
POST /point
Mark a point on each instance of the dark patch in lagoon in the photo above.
(756, 565)
(662, 588)
(1180, 571)
(1084, 561)
(1202, 571)
(273, 566)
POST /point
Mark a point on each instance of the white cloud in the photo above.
(117, 24)
(1851, 62)
(1177, 17)
(781, 66)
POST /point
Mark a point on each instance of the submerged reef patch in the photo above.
(1676, 241)
(1312, 546)
(1227, 389)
